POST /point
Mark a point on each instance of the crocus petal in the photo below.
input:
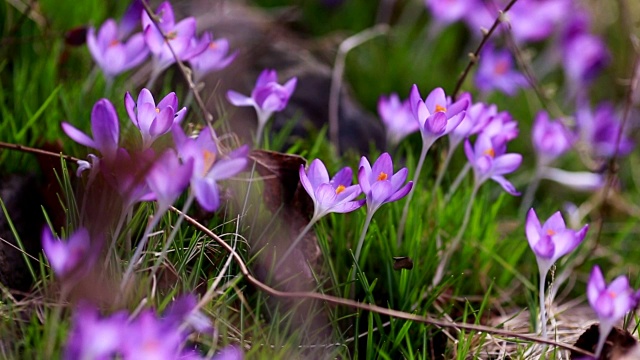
(363, 179)
(130, 105)
(595, 285)
(317, 173)
(145, 97)
(454, 122)
(78, 136)
(162, 122)
(238, 99)
(506, 185)
(105, 127)
(414, 100)
(435, 98)
(224, 169)
(532, 228)
(380, 192)
(382, 165)
(398, 179)
(506, 163)
(206, 192)
(401, 192)
(306, 184)
(604, 305)
(169, 100)
(565, 242)
(544, 248)
(136, 50)
(554, 223)
(343, 177)
(436, 124)
(290, 85)
(325, 196)
(265, 77)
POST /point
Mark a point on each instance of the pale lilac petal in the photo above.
(544, 248)
(180, 115)
(290, 85)
(532, 228)
(325, 196)
(604, 305)
(506, 185)
(380, 192)
(554, 223)
(414, 100)
(224, 169)
(162, 122)
(565, 242)
(306, 184)
(265, 77)
(595, 285)
(343, 177)
(398, 179)
(454, 122)
(382, 165)
(105, 127)
(363, 178)
(170, 100)
(506, 164)
(94, 48)
(153, 38)
(130, 105)
(435, 98)
(401, 192)
(107, 33)
(317, 173)
(206, 192)
(145, 97)
(436, 123)
(136, 50)
(238, 99)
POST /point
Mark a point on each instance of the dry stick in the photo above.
(473, 58)
(31, 150)
(368, 307)
(183, 70)
(338, 70)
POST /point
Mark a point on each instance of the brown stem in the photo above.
(473, 58)
(28, 149)
(367, 307)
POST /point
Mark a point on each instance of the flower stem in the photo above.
(456, 183)
(527, 199)
(295, 242)
(603, 333)
(543, 308)
(456, 241)
(365, 227)
(172, 236)
(443, 169)
(416, 175)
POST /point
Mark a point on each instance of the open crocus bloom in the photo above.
(111, 53)
(489, 161)
(153, 120)
(66, 256)
(496, 72)
(610, 303)
(379, 184)
(105, 128)
(215, 56)
(550, 138)
(397, 118)
(552, 240)
(335, 195)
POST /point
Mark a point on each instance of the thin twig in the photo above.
(183, 70)
(473, 58)
(338, 71)
(368, 307)
(31, 150)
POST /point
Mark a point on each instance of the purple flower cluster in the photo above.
(115, 51)
(147, 336)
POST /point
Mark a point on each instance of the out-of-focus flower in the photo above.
(208, 166)
(578, 180)
(112, 53)
(436, 116)
(153, 120)
(66, 256)
(502, 126)
(335, 195)
(496, 72)
(215, 56)
(551, 139)
(552, 240)
(477, 117)
(266, 97)
(105, 129)
(127, 174)
(536, 20)
(600, 129)
(93, 337)
(379, 184)
(452, 10)
(397, 118)
(168, 178)
(230, 353)
(610, 303)
(178, 36)
(489, 161)
(131, 18)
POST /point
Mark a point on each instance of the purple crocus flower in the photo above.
(397, 118)
(127, 175)
(178, 36)
(496, 72)
(450, 11)
(585, 56)
(552, 240)
(477, 116)
(379, 184)
(550, 138)
(208, 168)
(335, 195)
(489, 161)
(266, 97)
(66, 256)
(436, 116)
(610, 303)
(536, 20)
(94, 337)
(153, 120)
(112, 53)
(105, 129)
(503, 126)
(168, 178)
(131, 18)
(600, 129)
(229, 353)
(215, 56)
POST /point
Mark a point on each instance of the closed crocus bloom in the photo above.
(489, 161)
(105, 128)
(551, 139)
(66, 256)
(397, 118)
(153, 120)
(552, 240)
(112, 54)
(379, 184)
(496, 72)
(610, 303)
(335, 195)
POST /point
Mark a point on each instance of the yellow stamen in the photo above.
(490, 152)
(340, 189)
(172, 35)
(209, 159)
(441, 108)
(383, 176)
(157, 110)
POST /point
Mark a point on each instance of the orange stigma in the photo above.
(383, 176)
(612, 294)
(157, 110)
(340, 189)
(114, 42)
(441, 108)
(490, 152)
(550, 232)
(209, 159)
(501, 67)
(213, 45)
